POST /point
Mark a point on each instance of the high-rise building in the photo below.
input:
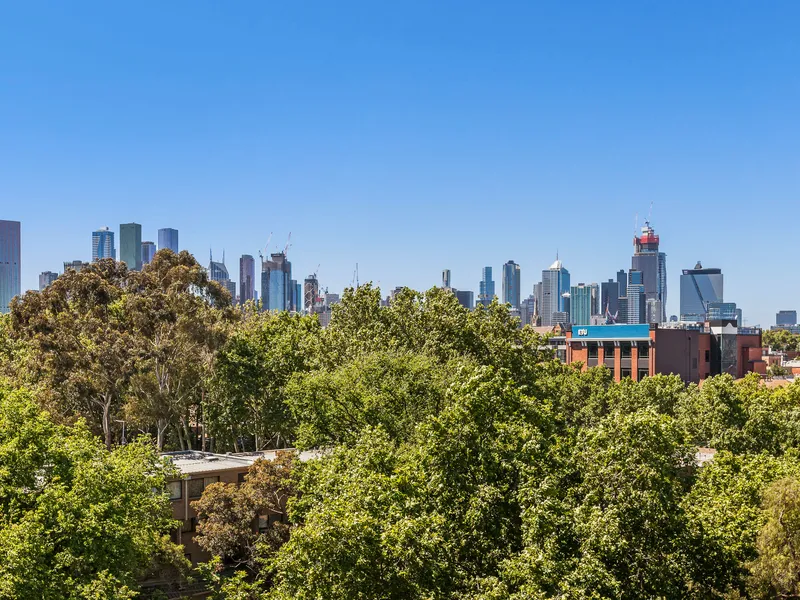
(486, 287)
(653, 266)
(446, 278)
(217, 271)
(10, 262)
(148, 252)
(610, 293)
(527, 311)
(310, 292)
(296, 304)
(75, 265)
(786, 318)
(168, 238)
(637, 299)
(465, 298)
(580, 302)
(511, 284)
(595, 291)
(247, 278)
(699, 288)
(130, 245)
(103, 244)
(622, 283)
(276, 287)
(721, 311)
(46, 278)
(555, 283)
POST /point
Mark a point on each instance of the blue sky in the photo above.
(412, 136)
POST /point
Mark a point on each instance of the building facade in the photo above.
(446, 278)
(247, 278)
(692, 352)
(10, 262)
(486, 287)
(555, 283)
(636, 306)
(75, 265)
(580, 301)
(103, 244)
(148, 252)
(45, 279)
(511, 284)
(653, 265)
(786, 318)
(699, 287)
(465, 298)
(610, 298)
(310, 292)
(168, 238)
(276, 283)
(130, 245)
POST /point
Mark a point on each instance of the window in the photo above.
(592, 349)
(608, 349)
(625, 349)
(189, 525)
(175, 490)
(643, 373)
(626, 373)
(241, 477)
(263, 523)
(644, 350)
(708, 356)
(196, 486)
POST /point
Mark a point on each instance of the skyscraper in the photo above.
(247, 278)
(446, 278)
(511, 281)
(217, 271)
(786, 318)
(276, 288)
(699, 288)
(465, 298)
(580, 302)
(130, 245)
(486, 287)
(168, 238)
(310, 292)
(10, 262)
(610, 293)
(637, 299)
(622, 283)
(46, 278)
(103, 244)
(595, 292)
(148, 252)
(555, 283)
(653, 266)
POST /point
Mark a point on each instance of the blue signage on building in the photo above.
(611, 332)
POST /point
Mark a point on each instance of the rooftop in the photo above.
(191, 462)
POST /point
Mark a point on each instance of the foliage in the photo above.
(781, 340)
(77, 520)
(228, 512)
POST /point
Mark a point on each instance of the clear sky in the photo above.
(412, 136)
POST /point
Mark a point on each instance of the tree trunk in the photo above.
(107, 421)
(188, 433)
(161, 428)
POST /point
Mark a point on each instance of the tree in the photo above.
(776, 571)
(80, 342)
(251, 375)
(228, 513)
(179, 318)
(77, 520)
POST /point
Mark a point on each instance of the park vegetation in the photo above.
(457, 458)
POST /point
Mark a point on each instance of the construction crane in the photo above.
(355, 282)
(288, 243)
(266, 248)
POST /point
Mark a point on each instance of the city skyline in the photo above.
(674, 309)
(418, 131)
